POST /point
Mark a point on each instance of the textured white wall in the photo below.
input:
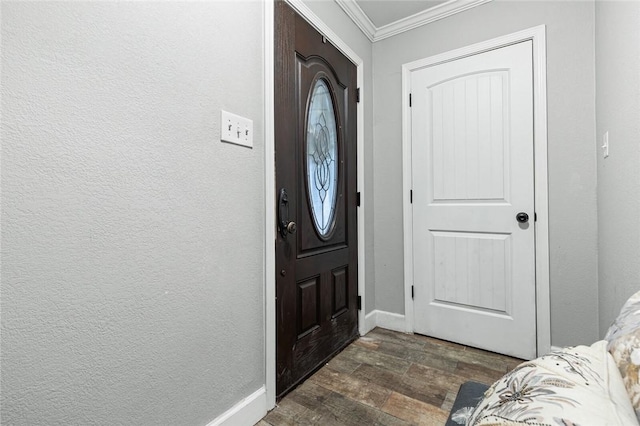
(572, 164)
(332, 15)
(132, 239)
(618, 112)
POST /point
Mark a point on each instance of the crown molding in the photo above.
(432, 14)
(357, 15)
(426, 16)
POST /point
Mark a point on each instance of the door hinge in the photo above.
(358, 95)
(535, 216)
(359, 303)
(411, 196)
(412, 293)
(409, 100)
(358, 199)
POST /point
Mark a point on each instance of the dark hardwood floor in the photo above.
(388, 378)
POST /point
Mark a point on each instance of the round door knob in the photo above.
(291, 227)
(522, 217)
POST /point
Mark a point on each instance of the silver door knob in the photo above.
(291, 227)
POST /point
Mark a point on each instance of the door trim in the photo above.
(538, 37)
(270, 212)
(270, 183)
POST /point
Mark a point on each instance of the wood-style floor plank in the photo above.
(388, 378)
(376, 358)
(413, 411)
(351, 386)
(421, 390)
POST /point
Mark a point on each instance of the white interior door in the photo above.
(472, 174)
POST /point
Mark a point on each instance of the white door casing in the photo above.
(472, 165)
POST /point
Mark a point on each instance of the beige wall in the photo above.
(618, 112)
(132, 239)
(571, 156)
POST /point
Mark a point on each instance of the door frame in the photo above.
(538, 36)
(270, 181)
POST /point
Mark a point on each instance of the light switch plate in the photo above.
(236, 129)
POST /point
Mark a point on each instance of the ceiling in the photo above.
(384, 12)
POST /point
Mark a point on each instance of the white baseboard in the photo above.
(390, 321)
(370, 321)
(249, 411)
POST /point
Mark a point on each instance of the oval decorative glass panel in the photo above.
(322, 153)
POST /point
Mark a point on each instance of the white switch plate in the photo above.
(605, 145)
(236, 129)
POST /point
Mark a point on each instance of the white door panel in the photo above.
(472, 172)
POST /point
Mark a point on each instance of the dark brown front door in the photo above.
(316, 246)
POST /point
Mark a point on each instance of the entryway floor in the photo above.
(388, 378)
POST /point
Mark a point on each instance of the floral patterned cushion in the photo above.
(623, 340)
(572, 386)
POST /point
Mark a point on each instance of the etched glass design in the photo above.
(322, 153)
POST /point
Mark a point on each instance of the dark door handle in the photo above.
(522, 217)
(284, 224)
